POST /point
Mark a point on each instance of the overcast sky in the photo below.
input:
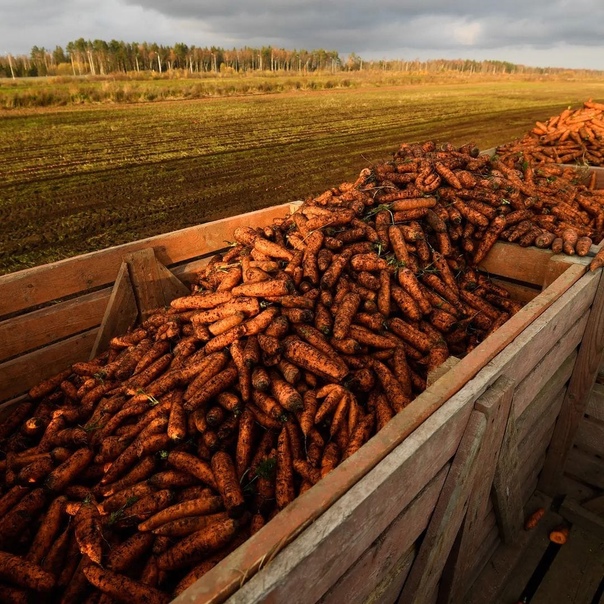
(561, 33)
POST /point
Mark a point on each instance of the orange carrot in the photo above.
(192, 465)
(228, 483)
(25, 574)
(284, 488)
(121, 587)
(123, 556)
(88, 531)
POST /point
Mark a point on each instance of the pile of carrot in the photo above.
(572, 137)
(130, 476)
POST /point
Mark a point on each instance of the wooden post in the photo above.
(506, 488)
(495, 405)
(447, 516)
(577, 396)
(121, 312)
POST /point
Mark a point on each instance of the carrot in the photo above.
(284, 488)
(21, 515)
(534, 519)
(583, 246)
(408, 281)
(202, 301)
(171, 479)
(287, 396)
(88, 531)
(360, 435)
(213, 387)
(310, 358)
(48, 529)
(12, 498)
(47, 386)
(124, 498)
(122, 588)
(559, 535)
(410, 334)
(24, 573)
(245, 440)
(228, 484)
(394, 390)
(36, 471)
(195, 546)
(190, 464)
(186, 525)
(340, 413)
(330, 458)
(334, 271)
(123, 556)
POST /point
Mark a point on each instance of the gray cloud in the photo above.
(559, 32)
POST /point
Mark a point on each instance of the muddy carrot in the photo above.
(245, 441)
(192, 465)
(88, 531)
(119, 586)
(124, 555)
(213, 387)
(24, 573)
(393, 389)
(310, 358)
(48, 529)
(284, 487)
(228, 483)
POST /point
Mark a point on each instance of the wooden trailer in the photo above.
(423, 510)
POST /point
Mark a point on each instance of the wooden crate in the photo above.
(354, 535)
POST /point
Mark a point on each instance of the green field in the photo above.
(79, 178)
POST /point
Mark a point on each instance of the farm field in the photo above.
(79, 178)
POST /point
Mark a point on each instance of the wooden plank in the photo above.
(448, 513)
(435, 375)
(20, 374)
(39, 285)
(577, 490)
(50, 324)
(485, 552)
(153, 284)
(595, 505)
(523, 264)
(595, 404)
(495, 406)
(573, 408)
(348, 527)
(495, 577)
(120, 314)
(535, 410)
(388, 590)
(506, 490)
(585, 467)
(551, 360)
(377, 562)
(590, 436)
(576, 514)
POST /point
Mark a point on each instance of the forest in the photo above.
(99, 57)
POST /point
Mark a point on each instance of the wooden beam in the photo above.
(577, 396)
(507, 500)
(121, 312)
(495, 405)
(448, 514)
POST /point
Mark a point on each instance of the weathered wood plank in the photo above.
(557, 264)
(388, 590)
(585, 467)
(495, 405)
(581, 383)
(50, 324)
(595, 505)
(590, 436)
(539, 405)
(595, 404)
(349, 526)
(577, 490)
(120, 314)
(506, 490)
(548, 365)
(20, 374)
(377, 562)
(39, 285)
(448, 513)
(575, 513)
(523, 264)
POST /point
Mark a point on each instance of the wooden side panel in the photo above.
(53, 323)
(31, 287)
(20, 374)
(384, 555)
(590, 436)
(595, 404)
(585, 467)
(581, 383)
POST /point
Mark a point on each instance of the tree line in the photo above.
(98, 57)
